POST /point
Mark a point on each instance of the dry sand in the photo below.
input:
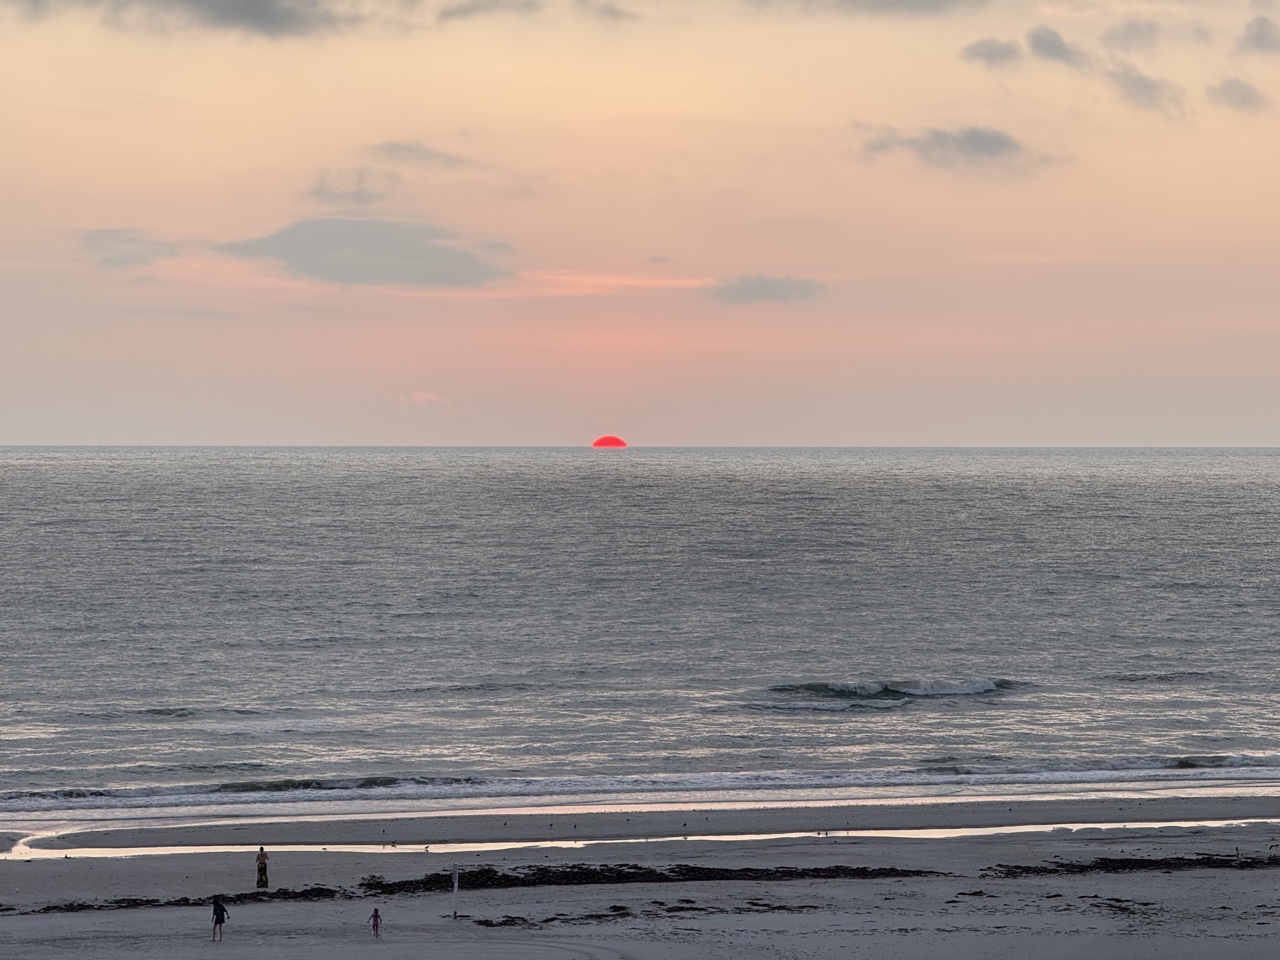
(1119, 892)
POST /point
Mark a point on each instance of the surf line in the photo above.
(22, 850)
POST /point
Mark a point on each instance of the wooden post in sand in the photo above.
(455, 891)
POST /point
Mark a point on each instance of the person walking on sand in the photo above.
(262, 867)
(220, 915)
(375, 920)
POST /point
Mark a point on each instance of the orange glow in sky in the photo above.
(740, 222)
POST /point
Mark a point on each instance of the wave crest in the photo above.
(894, 689)
(945, 771)
(830, 706)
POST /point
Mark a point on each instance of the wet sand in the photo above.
(1138, 890)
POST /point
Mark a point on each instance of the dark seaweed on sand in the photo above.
(481, 878)
(1204, 861)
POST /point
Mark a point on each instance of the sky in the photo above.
(705, 222)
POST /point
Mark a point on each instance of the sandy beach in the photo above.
(1127, 886)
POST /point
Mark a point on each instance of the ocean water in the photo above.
(248, 630)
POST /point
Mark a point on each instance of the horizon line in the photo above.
(617, 450)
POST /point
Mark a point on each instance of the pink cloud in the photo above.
(425, 398)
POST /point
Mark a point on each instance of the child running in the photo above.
(375, 920)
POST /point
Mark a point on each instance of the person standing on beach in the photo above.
(375, 920)
(220, 915)
(262, 867)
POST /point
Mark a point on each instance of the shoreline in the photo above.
(504, 828)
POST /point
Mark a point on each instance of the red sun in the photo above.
(608, 441)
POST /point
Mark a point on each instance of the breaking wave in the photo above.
(882, 689)
(830, 706)
(692, 788)
(824, 696)
(1174, 677)
(168, 713)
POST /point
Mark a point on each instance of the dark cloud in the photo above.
(469, 9)
(369, 252)
(277, 18)
(992, 52)
(604, 10)
(1261, 35)
(1146, 92)
(1048, 44)
(760, 288)
(412, 151)
(295, 18)
(1133, 34)
(963, 147)
(127, 247)
(1238, 95)
(269, 18)
(362, 186)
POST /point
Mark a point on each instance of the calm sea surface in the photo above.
(239, 629)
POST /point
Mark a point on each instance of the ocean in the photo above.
(221, 631)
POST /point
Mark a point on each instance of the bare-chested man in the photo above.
(262, 867)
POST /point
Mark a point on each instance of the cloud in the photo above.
(1238, 95)
(1146, 92)
(268, 18)
(361, 186)
(118, 248)
(1133, 34)
(368, 252)
(1048, 44)
(604, 10)
(962, 147)
(425, 398)
(992, 52)
(1261, 35)
(413, 151)
(469, 9)
(300, 18)
(760, 288)
(907, 7)
(279, 18)
(428, 403)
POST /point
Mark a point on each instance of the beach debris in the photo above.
(532, 875)
(1117, 905)
(620, 912)
(538, 875)
(75, 906)
(1203, 861)
(257, 896)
